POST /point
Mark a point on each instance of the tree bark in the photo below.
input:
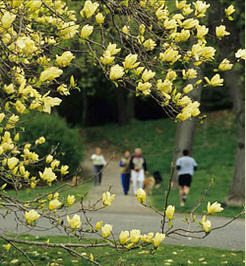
(185, 133)
(236, 194)
(121, 104)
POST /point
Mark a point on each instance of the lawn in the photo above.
(214, 150)
(165, 255)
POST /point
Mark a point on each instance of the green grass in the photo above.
(214, 150)
(29, 194)
(165, 255)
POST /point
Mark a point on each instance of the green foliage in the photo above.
(65, 141)
(214, 150)
(165, 255)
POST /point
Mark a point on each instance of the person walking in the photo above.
(186, 165)
(125, 171)
(138, 168)
(98, 164)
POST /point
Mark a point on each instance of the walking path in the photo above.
(127, 213)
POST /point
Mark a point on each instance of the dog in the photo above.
(149, 185)
(75, 180)
(158, 179)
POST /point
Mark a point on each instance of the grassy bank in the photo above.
(165, 255)
(214, 150)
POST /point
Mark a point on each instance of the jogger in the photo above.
(125, 172)
(98, 164)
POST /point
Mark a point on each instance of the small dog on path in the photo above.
(149, 185)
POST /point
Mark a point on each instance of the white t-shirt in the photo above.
(186, 164)
(98, 159)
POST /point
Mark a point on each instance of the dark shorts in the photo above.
(185, 180)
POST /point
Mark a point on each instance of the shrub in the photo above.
(65, 141)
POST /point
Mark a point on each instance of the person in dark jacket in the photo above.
(125, 171)
(138, 168)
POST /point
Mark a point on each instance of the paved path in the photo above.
(126, 214)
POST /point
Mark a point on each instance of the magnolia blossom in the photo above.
(130, 61)
(221, 31)
(241, 54)
(70, 200)
(48, 175)
(75, 222)
(116, 72)
(147, 75)
(12, 162)
(86, 31)
(89, 9)
(98, 225)
(215, 207)
(106, 230)
(170, 212)
(99, 18)
(107, 198)
(215, 81)
(225, 65)
(124, 237)
(141, 195)
(31, 216)
(40, 140)
(54, 204)
(135, 236)
(50, 74)
(158, 238)
(64, 59)
(206, 224)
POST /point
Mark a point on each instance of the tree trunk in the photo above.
(121, 103)
(185, 133)
(130, 106)
(84, 106)
(236, 194)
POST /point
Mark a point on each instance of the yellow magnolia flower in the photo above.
(65, 59)
(221, 31)
(181, 4)
(116, 72)
(107, 198)
(40, 140)
(7, 19)
(56, 195)
(9, 89)
(135, 236)
(55, 164)
(170, 212)
(12, 162)
(225, 65)
(124, 237)
(141, 195)
(112, 49)
(201, 8)
(86, 31)
(190, 23)
(75, 222)
(170, 55)
(170, 24)
(72, 82)
(171, 75)
(89, 9)
(189, 74)
(161, 13)
(149, 44)
(70, 200)
(26, 45)
(139, 70)
(216, 81)
(107, 58)
(63, 89)
(54, 204)
(182, 36)
(206, 224)
(241, 54)
(147, 75)
(187, 10)
(106, 230)
(188, 88)
(125, 29)
(31, 216)
(50, 74)
(158, 238)
(148, 238)
(98, 225)
(49, 158)
(229, 11)
(164, 86)
(7, 247)
(2, 115)
(100, 18)
(64, 169)
(20, 107)
(48, 175)
(34, 5)
(50, 102)
(130, 61)
(215, 207)
(201, 31)
(144, 87)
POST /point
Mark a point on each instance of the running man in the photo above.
(186, 166)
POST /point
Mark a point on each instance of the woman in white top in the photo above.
(98, 163)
